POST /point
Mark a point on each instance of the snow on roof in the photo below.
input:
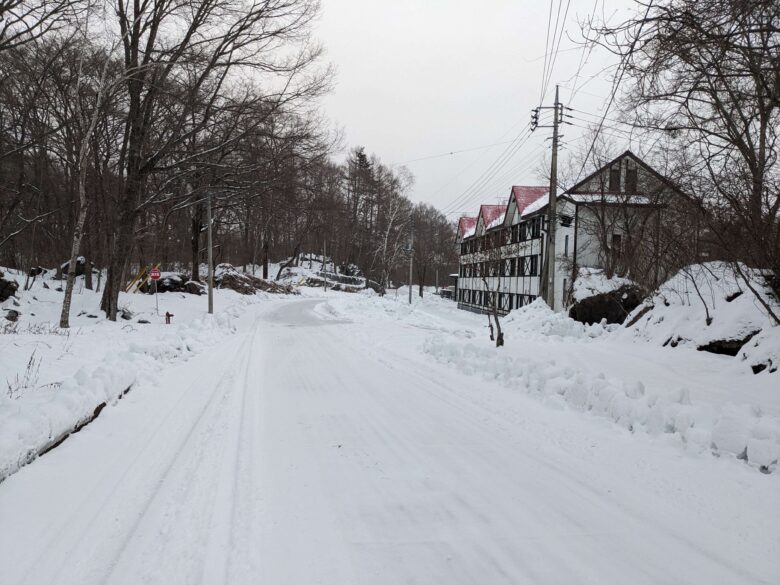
(497, 221)
(492, 215)
(609, 198)
(467, 226)
(525, 195)
(535, 205)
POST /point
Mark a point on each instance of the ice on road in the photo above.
(300, 452)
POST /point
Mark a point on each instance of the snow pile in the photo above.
(708, 307)
(33, 420)
(538, 321)
(593, 281)
(730, 430)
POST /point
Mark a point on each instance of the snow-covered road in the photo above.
(305, 450)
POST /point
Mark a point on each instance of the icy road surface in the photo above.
(305, 450)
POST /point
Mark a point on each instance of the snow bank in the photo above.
(592, 281)
(677, 314)
(538, 321)
(730, 430)
(37, 419)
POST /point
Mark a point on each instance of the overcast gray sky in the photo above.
(422, 77)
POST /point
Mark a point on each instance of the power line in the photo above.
(494, 167)
(472, 163)
(450, 153)
(546, 52)
(615, 86)
(558, 46)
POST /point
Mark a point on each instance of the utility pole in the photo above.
(411, 261)
(548, 270)
(210, 254)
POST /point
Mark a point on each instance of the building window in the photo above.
(564, 293)
(534, 265)
(631, 180)
(614, 178)
(617, 245)
(566, 246)
(536, 227)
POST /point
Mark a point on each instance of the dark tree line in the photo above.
(120, 120)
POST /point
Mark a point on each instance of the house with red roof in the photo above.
(608, 220)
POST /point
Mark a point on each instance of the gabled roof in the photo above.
(466, 227)
(578, 188)
(491, 215)
(523, 196)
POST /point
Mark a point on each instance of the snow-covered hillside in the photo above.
(708, 307)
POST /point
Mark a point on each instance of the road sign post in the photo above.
(155, 275)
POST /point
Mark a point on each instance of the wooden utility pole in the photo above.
(210, 254)
(548, 269)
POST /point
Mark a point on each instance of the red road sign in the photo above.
(154, 274)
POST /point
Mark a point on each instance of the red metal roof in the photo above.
(525, 195)
(466, 224)
(490, 213)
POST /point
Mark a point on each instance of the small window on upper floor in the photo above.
(631, 180)
(614, 178)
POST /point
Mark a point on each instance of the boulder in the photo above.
(729, 346)
(194, 288)
(614, 306)
(8, 288)
(12, 315)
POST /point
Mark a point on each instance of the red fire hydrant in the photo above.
(168, 317)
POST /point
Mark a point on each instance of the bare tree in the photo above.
(706, 73)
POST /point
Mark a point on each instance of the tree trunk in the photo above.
(289, 262)
(78, 232)
(123, 244)
(88, 275)
(265, 259)
(196, 227)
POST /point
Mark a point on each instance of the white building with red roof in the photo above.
(502, 250)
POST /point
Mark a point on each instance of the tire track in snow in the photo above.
(574, 517)
(141, 483)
